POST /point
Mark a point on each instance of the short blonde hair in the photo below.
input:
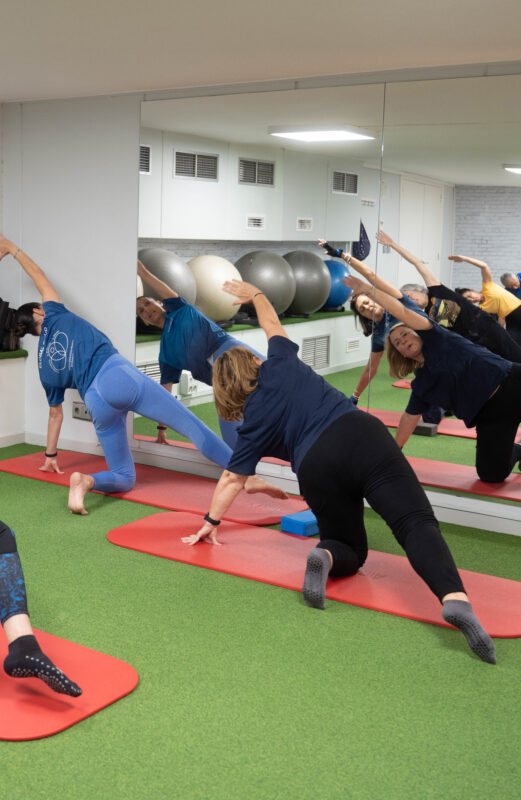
(399, 366)
(235, 377)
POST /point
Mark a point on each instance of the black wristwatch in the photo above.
(214, 522)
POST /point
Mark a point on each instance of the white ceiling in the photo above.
(70, 48)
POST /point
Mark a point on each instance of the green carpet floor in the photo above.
(245, 692)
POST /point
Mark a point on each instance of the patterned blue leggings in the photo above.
(120, 387)
(12, 585)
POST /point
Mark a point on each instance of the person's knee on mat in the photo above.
(345, 560)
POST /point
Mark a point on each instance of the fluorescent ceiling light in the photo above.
(318, 134)
(515, 168)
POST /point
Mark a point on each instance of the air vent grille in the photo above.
(304, 224)
(352, 345)
(315, 352)
(150, 368)
(345, 183)
(256, 223)
(261, 173)
(196, 165)
(144, 159)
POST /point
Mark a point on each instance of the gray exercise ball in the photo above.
(171, 269)
(273, 276)
(313, 282)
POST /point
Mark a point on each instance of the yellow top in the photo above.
(498, 300)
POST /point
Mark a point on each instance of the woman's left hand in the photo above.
(51, 465)
(242, 290)
(354, 283)
(208, 531)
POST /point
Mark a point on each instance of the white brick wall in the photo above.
(190, 248)
(488, 227)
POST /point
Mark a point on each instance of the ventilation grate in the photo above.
(315, 351)
(352, 345)
(304, 224)
(345, 183)
(144, 159)
(196, 165)
(256, 223)
(260, 173)
(150, 368)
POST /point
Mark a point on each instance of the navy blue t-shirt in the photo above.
(516, 292)
(71, 352)
(382, 328)
(187, 341)
(456, 374)
(287, 412)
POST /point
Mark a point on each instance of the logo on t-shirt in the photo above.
(57, 351)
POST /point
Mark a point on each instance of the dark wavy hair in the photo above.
(463, 289)
(367, 324)
(24, 320)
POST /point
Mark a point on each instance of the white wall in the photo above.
(71, 202)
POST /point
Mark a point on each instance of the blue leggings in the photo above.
(120, 387)
(12, 585)
(229, 429)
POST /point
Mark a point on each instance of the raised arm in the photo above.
(266, 314)
(369, 274)
(157, 286)
(418, 322)
(429, 277)
(37, 275)
(486, 274)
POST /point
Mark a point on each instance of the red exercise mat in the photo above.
(163, 488)
(447, 427)
(404, 383)
(385, 583)
(191, 446)
(460, 478)
(31, 710)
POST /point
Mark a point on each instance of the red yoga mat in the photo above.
(461, 478)
(163, 488)
(30, 710)
(447, 427)
(404, 383)
(385, 583)
(191, 446)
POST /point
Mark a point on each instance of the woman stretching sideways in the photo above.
(341, 455)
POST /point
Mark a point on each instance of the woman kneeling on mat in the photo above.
(481, 388)
(73, 354)
(189, 341)
(340, 455)
(25, 658)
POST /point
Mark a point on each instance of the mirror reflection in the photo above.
(223, 196)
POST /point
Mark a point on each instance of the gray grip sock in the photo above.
(460, 614)
(317, 570)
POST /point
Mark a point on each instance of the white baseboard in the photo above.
(12, 438)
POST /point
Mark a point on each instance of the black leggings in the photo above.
(357, 457)
(496, 429)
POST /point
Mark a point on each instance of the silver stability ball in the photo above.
(272, 274)
(313, 282)
(172, 270)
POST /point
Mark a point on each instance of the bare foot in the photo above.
(80, 485)
(255, 484)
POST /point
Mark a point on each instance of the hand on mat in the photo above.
(51, 465)
(242, 290)
(161, 438)
(206, 532)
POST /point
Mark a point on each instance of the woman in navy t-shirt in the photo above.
(341, 455)
(481, 388)
(189, 340)
(73, 354)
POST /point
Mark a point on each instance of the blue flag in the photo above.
(362, 247)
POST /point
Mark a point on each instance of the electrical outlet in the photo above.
(79, 411)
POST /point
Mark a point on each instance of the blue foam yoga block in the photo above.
(303, 523)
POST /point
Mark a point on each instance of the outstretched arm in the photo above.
(266, 314)
(486, 274)
(157, 286)
(428, 276)
(368, 374)
(418, 322)
(369, 274)
(37, 275)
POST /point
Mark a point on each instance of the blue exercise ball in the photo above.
(313, 282)
(339, 293)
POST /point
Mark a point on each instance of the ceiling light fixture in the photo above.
(304, 134)
(515, 168)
